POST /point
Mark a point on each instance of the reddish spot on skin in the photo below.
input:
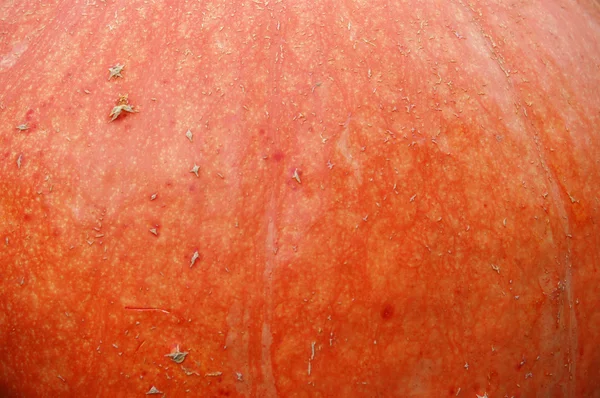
(27, 217)
(29, 114)
(278, 156)
(387, 312)
(191, 187)
(261, 132)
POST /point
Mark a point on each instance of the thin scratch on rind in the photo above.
(146, 309)
(564, 223)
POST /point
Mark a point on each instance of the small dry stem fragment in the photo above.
(22, 127)
(296, 176)
(189, 372)
(194, 258)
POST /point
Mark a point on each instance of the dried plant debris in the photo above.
(194, 258)
(189, 372)
(296, 176)
(177, 356)
(153, 391)
(115, 71)
(189, 135)
(195, 169)
(22, 127)
(122, 106)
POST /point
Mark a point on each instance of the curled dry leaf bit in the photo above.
(177, 356)
(116, 111)
(122, 106)
(22, 127)
(153, 390)
(115, 71)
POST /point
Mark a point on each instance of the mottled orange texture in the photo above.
(390, 198)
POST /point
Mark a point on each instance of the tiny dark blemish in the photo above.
(387, 312)
(278, 156)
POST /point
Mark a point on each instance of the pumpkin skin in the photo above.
(390, 199)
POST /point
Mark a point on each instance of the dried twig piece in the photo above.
(296, 176)
(194, 258)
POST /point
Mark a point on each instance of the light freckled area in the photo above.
(377, 182)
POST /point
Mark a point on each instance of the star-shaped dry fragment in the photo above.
(22, 127)
(177, 356)
(195, 169)
(115, 71)
(189, 136)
